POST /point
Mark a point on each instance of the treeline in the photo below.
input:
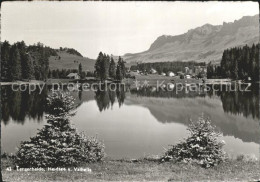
(105, 67)
(19, 61)
(63, 73)
(239, 63)
(70, 51)
(166, 66)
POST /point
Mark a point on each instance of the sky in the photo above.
(111, 27)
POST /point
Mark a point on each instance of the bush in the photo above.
(58, 144)
(202, 146)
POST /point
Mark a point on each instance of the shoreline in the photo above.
(167, 79)
(140, 170)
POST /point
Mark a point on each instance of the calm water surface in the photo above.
(140, 122)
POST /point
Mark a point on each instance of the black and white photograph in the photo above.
(129, 91)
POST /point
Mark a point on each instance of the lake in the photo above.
(140, 121)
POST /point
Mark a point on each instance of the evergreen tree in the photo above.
(27, 66)
(240, 63)
(80, 71)
(119, 75)
(210, 70)
(15, 64)
(112, 68)
(50, 74)
(98, 65)
(5, 51)
(123, 68)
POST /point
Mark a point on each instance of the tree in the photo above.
(98, 65)
(119, 75)
(210, 70)
(58, 144)
(15, 64)
(80, 71)
(105, 67)
(112, 68)
(50, 74)
(122, 66)
(27, 66)
(235, 72)
(203, 146)
(120, 69)
(5, 52)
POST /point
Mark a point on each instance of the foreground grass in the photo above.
(123, 170)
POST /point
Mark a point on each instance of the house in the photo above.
(170, 73)
(73, 76)
(153, 71)
(163, 74)
(186, 70)
(188, 77)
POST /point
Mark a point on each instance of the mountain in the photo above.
(70, 60)
(202, 44)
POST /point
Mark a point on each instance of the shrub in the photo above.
(202, 146)
(58, 144)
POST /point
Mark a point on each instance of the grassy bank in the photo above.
(140, 170)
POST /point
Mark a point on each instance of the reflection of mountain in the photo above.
(167, 110)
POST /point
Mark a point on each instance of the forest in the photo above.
(166, 66)
(105, 67)
(22, 62)
(238, 63)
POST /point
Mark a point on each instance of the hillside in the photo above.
(202, 44)
(66, 60)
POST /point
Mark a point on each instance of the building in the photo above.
(186, 70)
(153, 71)
(73, 76)
(170, 73)
(188, 77)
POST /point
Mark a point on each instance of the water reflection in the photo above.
(234, 102)
(106, 98)
(236, 114)
(17, 105)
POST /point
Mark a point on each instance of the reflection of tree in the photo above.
(103, 100)
(106, 97)
(235, 102)
(241, 102)
(20, 104)
(120, 94)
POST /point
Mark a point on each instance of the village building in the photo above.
(170, 73)
(73, 76)
(153, 71)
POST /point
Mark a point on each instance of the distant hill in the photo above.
(67, 60)
(202, 44)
